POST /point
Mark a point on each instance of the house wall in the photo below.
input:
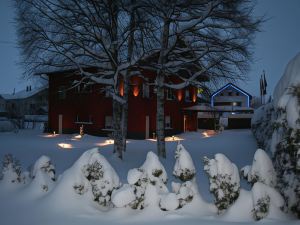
(235, 96)
(93, 106)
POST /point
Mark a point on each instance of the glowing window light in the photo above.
(179, 95)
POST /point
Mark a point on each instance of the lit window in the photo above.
(108, 122)
(167, 122)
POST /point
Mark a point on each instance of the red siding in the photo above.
(94, 104)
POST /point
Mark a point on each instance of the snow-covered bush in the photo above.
(224, 180)
(147, 183)
(11, 170)
(184, 170)
(264, 198)
(95, 175)
(276, 126)
(262, 169)
(43, 173)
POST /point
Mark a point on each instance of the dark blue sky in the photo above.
(278, 42)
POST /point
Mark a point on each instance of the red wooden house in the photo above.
(69, 108)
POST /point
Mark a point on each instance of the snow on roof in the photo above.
(23, 94)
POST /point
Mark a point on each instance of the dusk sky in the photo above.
(278, 42)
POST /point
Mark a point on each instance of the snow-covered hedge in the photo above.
(276, 127)
(146, 185)
(224, 180)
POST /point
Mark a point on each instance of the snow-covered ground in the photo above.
(24, 207)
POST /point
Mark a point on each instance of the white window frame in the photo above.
(168, 122)
(146, 90)
(108, 122)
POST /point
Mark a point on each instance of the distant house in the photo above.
(91, 106)
(26, 105)
(3, 112)
(229, 107)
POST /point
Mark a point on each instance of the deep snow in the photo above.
(16, 208)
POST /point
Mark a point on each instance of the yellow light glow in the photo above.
(65, 145)
(209, 133)
(49, 135)
(106, 142)
(169, 139)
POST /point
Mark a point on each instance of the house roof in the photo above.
(23, 94)
(230, 85)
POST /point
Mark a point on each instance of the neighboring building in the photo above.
(3, 112)
(229, 107)
(90, 106)
(27, 102)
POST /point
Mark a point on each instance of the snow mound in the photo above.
(262, 169)
(169, 202)
(123, 196)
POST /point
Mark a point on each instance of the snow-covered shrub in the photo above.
(264, 198)
(123, 196)
(184, 168)
(278, 131)
(147, 183)
(96, 175)
(224, 180)
(11, 170)
(43, 173)
(262, 169)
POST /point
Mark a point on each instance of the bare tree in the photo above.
(197, 38)
(64, 34)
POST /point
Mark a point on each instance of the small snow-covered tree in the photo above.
(262, 169)
(96, 175)
(184, 170)
(264, 198)
(147, 183)
(11, 170)
(43, 173)
(224, 180)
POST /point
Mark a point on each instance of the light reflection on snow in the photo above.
(65, 145)
(208, 133)
(169, 139)
(106, 142)
(49, 135)
(76, 137)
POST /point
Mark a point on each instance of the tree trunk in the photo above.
(126, 79)
(117, 134)
(160, 95)
(160, 118)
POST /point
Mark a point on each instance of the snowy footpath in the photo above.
(57, 204)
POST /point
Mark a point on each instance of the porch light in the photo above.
(121, 88)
